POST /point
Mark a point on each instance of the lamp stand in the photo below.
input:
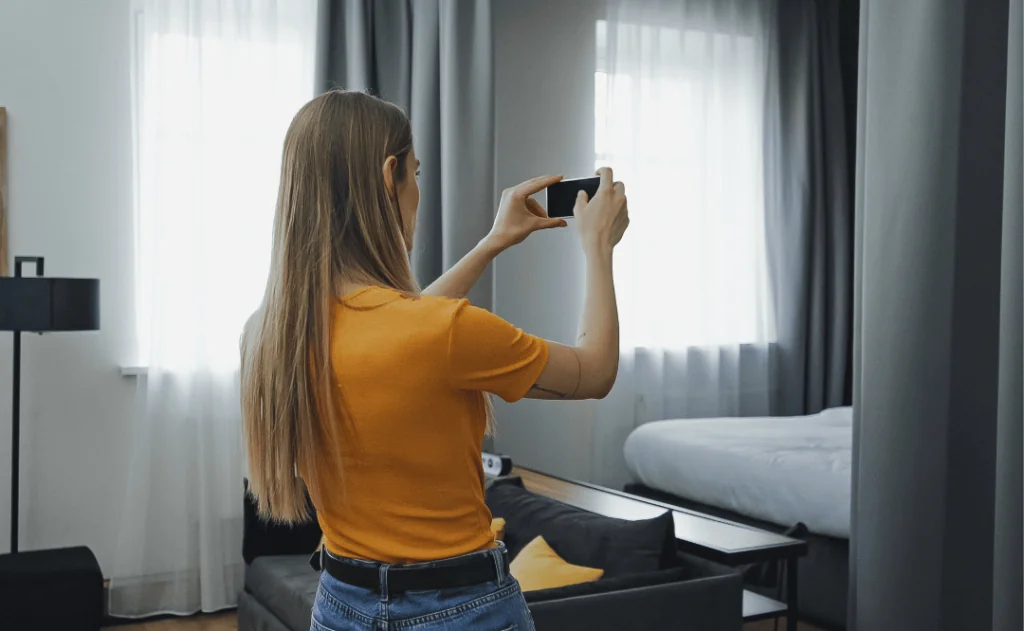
(16, 410)
(15, 440)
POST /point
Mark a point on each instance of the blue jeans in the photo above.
(493, 606)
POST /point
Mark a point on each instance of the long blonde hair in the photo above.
(335, 219)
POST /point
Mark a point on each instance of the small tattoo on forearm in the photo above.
(560, 395)
(581, 336)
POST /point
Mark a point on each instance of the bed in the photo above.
(770, 472)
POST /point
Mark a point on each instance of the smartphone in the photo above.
(562, 196)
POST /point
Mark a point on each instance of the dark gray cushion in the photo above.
(619, 547)
(252, 616)
(285, 585)
(260, 537)
(603, 586)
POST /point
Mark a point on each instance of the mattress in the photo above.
(782, 470)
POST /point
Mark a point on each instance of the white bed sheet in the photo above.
(777, 469)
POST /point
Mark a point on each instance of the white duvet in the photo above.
(778, 469)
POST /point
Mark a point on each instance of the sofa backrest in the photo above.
(262, 538)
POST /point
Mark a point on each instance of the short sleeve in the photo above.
(488, 354)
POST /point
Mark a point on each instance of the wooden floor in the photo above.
(226, 622)
(207, 622)
(769, 625)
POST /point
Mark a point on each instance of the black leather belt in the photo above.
(449, 573)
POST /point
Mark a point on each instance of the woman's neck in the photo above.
(346, 287)
(351, 283)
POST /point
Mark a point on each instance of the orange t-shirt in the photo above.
(408, 483)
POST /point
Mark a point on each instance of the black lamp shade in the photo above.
(38, 304)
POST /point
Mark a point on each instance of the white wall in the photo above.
(64, 81)
(544, 82)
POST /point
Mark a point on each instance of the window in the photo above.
(678, 115)
(215, 86)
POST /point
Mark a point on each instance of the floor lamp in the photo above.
(29, 579)
(38, 304)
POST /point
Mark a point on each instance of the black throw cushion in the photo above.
(603, 586)
(617, 546)
(262, 538)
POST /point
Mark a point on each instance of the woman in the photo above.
(375, 393)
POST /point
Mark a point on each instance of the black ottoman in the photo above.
(51, 589)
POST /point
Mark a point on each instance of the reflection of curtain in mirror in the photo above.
(679, 112)
(215, 85)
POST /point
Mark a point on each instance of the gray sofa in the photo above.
(682, 593)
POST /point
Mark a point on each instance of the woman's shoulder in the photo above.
(424, 310)
(438, 310)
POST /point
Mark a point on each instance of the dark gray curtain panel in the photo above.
(808, 214)
(1007, 576)
(435, 59)
(936, 523)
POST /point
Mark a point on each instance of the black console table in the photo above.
(705, 536)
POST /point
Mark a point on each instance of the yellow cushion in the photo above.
(537, 566)
(498, 528)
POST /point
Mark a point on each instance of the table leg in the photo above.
(792, 605)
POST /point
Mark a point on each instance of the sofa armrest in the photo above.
(707, 604)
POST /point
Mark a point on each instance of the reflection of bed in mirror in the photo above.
(769, 472)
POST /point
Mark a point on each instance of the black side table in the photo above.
(51, 589)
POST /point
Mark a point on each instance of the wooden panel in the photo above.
(4, 254)
(227, 621)
(771, 625)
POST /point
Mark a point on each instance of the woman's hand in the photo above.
(603, 220)
(519, 215)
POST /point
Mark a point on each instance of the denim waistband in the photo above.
(499, 553)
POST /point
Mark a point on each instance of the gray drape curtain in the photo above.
(1007, 574)
(435, 59)
(937, 489)
(808, 215)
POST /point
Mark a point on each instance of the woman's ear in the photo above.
(389, 169)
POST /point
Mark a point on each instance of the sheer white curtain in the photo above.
(215, 84)
(679, 113)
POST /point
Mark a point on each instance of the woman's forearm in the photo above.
(456, 282)
(598, 336)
